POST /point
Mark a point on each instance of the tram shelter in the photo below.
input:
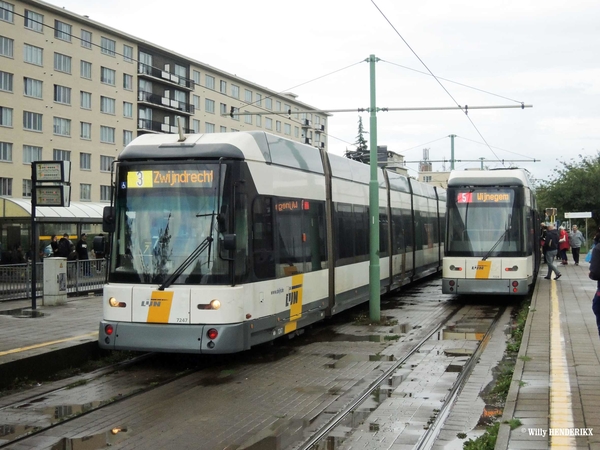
(15, 223)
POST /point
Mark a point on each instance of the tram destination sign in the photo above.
(51, 171)
(58, 195)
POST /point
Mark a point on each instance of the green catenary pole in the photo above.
(374, 307)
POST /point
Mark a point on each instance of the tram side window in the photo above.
(352, 233)
(262, 238)
(407, 226)
(300, 230)
(397, 232)
(383, 232)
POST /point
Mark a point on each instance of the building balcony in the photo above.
(166, 103)
(159, 127)
(306, 123)
(155, 73)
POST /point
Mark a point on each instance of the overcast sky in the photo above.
(543, 53)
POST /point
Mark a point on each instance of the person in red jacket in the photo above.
(563, 245)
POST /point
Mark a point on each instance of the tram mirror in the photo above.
(229, 241)
(108, 219)
(221, 223)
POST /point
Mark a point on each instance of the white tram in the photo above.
(227, 240)
(492, 233)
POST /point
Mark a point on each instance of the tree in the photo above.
(361, 142)
(574, 187)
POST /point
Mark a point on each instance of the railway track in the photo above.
(293, 394)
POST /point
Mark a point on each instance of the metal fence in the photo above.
(83, 276)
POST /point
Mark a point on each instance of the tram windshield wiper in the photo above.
(499, 239)
(205, 244)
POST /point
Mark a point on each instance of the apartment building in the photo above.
(74, 89)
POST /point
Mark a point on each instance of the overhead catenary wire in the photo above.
(433, 75)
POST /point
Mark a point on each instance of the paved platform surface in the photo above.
(555, 391)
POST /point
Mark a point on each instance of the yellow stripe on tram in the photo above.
(294, 300)
(46, 344)
(561, 412)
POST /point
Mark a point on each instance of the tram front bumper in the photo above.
(461, 286)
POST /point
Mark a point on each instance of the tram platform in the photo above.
(48, 338)
(555, 391)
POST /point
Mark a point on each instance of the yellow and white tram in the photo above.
(223, 241)
(492, 233)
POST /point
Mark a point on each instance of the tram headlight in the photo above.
(215, 304)
(115, 303)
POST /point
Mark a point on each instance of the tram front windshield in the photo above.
(163, 214)
(485, 222)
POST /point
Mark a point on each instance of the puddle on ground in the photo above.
(343, 360)
(454, 368)
(23, 313)
(93, 442)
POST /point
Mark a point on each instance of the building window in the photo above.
(127, 82)
(107, 105)
(27, 185)
(6, 151)
(86, 100)
(86, 39)
(62, 31)
(6, 186)
(248, 118)
(248, 96)
(62, 94)
(85, 69)
(277, 105)
(145, 63)
(105, 162)
(223, 108)
(32, 121)
(287, 129)
(7, 12)
(6, 81)
(127, 137)
(85, 131)
(223, 87)
(209, 105)
(32, 55)
(209, 82)
(127, 109)
(223, 129)
(278, 126)
(235, 112)
(62, 63)
(85, 161)
(32, 88)
(6, 116)
(127, 53)
(269, 103)
(6, 47)
(196, 102)
(268, 123)
(34, 21)
(426, 178)
(107, 76)
(196, 125)
(196, 75)
(209, 127)
(287, 109)
(235, 91)
(296, 132)
(105, 193)
(31, 153)
(259, 121)
(62, 127)
(85, 192)
(107, 46)
(258, 101)
(107, 135)
(61, 155)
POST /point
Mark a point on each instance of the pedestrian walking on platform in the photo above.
(563, 245)
(595, 275)
(550, 250)
(576, 240)
(82, 254)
